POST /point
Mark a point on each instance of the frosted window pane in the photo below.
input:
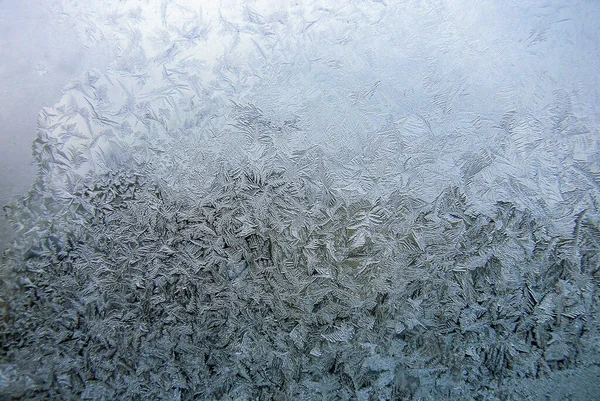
(324, 200)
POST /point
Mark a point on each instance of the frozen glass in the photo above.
(361, 200)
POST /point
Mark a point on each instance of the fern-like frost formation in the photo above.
(284, 227)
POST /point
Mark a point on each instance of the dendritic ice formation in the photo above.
(331, 209)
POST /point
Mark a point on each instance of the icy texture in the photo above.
(321, 201)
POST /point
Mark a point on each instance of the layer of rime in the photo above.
(330, 209)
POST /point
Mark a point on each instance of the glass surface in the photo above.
(308, 200)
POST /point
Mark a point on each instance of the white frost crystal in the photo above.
(250, 194)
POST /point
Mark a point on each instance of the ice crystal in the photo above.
(300, 222)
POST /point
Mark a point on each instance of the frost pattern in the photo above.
(298, 220)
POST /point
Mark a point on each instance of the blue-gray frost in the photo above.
(359, 201)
